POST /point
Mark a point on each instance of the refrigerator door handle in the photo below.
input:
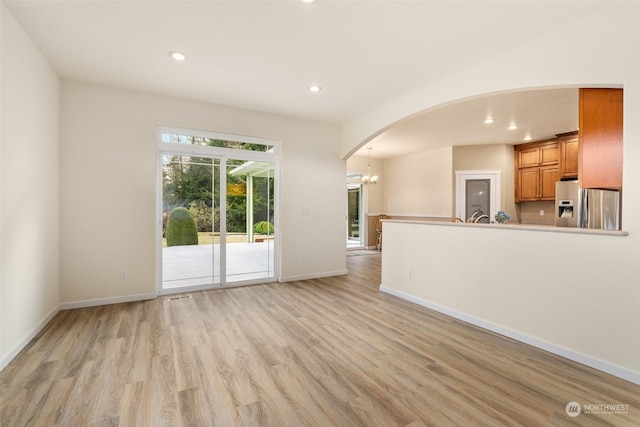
(582, 209)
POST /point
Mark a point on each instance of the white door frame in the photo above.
(461, 190)
(362, 217)
(223, 154)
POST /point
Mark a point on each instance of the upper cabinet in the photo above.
(600, 135)
(539, 165)
(538, 154)
(536, 171)
(569, 149)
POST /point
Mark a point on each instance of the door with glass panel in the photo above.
(355, 217)
(190, 221)
(218, 215)
(249, 245)
(478, 199)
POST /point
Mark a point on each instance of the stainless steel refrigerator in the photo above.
(587, 207)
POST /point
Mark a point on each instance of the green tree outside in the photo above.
(188, 181)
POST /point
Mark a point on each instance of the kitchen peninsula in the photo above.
(485, 274)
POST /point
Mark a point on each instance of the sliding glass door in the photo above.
(217, 214)
(249, 221)
(190, 221)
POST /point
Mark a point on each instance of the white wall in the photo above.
(529, 285)
(108, 187)
(489, 157)
(596, 311)
(423, 184)
(600, 48)
(419, 184)
(29, 287)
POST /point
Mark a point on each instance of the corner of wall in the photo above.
(30, 115)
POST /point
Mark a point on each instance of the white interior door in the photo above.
(477, 195)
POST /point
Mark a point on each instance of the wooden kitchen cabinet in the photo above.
(536, 171)
(549, 175)
(537, 154)
(528, 156)
(600, 135)
(527, 187)
(569, 151)
(537, 183)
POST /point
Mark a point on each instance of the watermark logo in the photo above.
(573, 409)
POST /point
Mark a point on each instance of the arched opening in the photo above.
(417, 157)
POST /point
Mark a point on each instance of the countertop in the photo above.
(507, 226)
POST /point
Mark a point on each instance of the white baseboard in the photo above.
(312, 276)
(584, 359)
(106, 301)
(27, 339)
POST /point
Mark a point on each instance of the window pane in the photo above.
(191, 221)
(478, 197)
(250, 225)
(174, 138)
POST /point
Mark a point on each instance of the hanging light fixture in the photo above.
(368, 178)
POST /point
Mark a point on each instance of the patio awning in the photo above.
(252, 168)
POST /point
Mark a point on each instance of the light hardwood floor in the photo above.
(324, 352)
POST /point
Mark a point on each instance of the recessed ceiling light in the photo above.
(314, 88)
(488, 120)
(308, 1)
(528, 138)
(513, 126)
(178, 56)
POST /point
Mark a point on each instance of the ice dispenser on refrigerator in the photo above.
(587, 207)
(567, 203)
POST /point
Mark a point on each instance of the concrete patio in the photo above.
(196, 265)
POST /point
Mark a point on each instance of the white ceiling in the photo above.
(263, 55)
(540, 114)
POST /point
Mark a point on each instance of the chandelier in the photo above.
(369, 178)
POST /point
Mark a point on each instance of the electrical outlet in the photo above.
(124, 274)
(301, 258)
(541, 212)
